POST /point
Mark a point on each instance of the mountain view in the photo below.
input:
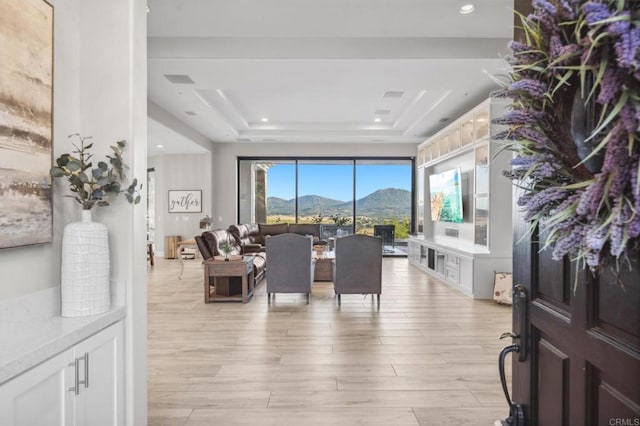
(388, 202)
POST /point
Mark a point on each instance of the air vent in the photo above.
(393, 94)
(179, 79)
(451, 232)
(243, 139)
(382, 112)
(190, 113)
(443, 120)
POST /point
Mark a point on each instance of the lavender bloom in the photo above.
(529, 134)
(595, 12)
(617, 237)
(629, 117)
(610, 86)
(590, 199)
(520, 116)
(627, 48)
(522, 162)
(619, 27)
(543, 201)
(596, 237)
(634, 227)
(566, 243)
(566, 10)
(568, 203)
(534, 88)
(543, 7)
(518, 47)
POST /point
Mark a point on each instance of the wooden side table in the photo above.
(224, 289)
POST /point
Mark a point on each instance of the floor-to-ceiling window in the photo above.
(344, 195)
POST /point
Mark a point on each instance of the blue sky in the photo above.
(334, 181)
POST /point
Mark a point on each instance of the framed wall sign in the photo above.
(189, 201)
(26, 104)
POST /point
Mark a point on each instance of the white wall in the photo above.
(225, 182)
(180, 172)
(99, 91)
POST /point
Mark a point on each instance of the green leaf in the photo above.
(129, 197)
(96, 173)
(83, 178)
(103, 166)
(103, 203)
(117, 163)
(103, 181)
(57, 172)
(74, 165)
(88, 146)
(137, 201)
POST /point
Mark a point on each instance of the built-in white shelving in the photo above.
(466, 255)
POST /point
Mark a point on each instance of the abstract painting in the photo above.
(26, 101)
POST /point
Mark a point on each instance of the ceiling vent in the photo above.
(382, 112)
(393, 94)
(190, 113)
(443, 120)
(243, 139)
(179, 79)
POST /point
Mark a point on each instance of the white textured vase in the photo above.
(85, 268)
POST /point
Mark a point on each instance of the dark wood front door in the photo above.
(583, 361)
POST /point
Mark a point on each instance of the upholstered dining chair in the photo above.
(358, 266)
(291, 266)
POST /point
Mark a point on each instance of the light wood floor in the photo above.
(427, 357)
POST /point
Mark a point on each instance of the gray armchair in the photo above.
(291, 266)
(358, 266)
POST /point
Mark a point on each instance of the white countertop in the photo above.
(32, 330)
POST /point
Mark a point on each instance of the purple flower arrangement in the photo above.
(587, 51)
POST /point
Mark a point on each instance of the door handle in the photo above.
(519, 346)
(520, 304)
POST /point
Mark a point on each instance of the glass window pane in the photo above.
(383, 201)
(325, 193)
(275, 184)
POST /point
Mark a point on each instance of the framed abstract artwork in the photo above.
(26, 122)
(185, 201)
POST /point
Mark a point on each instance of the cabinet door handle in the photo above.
(85, 358)
(76, 379)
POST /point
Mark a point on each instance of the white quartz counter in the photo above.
(32, 330)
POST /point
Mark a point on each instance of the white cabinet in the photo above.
(81, 386)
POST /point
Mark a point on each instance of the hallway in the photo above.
(427, 357)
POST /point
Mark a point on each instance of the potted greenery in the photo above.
(85, 282)
(94, 185)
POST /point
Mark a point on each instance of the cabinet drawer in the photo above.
(452, 259)
(451, 275)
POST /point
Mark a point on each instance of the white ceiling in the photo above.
(319, 70)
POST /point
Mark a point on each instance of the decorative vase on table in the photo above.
(85, 268)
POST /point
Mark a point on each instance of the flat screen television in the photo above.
(446, 196)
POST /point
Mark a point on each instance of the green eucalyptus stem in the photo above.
(95, 185)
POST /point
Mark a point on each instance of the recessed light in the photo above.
(467, 8)
(264, 119)
(377, 119)
(160, 146)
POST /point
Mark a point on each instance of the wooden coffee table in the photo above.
(224, 288)
(324, 266)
